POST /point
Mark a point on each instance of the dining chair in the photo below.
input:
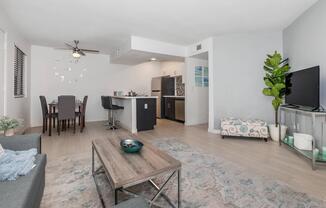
(66, 110)
(45, 113)
(81, 113)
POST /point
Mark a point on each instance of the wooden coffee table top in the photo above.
(127, 169)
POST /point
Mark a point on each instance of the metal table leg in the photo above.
(160, 190)
(92, 160)
(179, 188)
(116, 196)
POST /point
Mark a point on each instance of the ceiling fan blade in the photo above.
(81, 53)
(63, 49)
(90, 51)
(76, 43)
(70, 46)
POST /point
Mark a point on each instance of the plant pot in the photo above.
(274, 132)
(10, 132)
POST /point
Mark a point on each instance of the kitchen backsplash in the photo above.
(180, 87)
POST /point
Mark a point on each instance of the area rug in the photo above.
(207, 181)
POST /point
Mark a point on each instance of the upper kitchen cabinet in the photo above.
(168, 86)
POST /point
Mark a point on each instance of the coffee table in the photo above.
(125, 170)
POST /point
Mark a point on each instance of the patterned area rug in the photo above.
(207, 181)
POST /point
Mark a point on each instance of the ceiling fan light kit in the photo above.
(76, 55)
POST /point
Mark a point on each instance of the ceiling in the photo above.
(134, 57)
(105, 24)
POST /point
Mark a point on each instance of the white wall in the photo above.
(15, 107)
(207, 46)
(238, 75)
(101, 78)
(172, 68)
(2, 73)
(305, 44)
(196, 109)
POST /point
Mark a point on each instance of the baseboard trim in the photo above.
(214, 131)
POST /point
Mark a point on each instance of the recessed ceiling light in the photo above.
(153, 59)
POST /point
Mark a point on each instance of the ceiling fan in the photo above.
(77, 52)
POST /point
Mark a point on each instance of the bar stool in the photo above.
(107, 104)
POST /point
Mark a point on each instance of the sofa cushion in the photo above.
(22, 142)
(25, 191)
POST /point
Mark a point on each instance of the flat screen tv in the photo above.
(302, 88)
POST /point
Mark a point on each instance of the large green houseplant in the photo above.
(275, 71)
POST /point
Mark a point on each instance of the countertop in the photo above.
(133, 97)
(173, 96)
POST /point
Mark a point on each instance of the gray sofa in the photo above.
(26, 191)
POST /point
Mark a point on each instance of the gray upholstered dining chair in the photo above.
(66, 110)
(45, 114)
(81, 114)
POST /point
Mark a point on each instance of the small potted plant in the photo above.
(8, 125)
(275, 72)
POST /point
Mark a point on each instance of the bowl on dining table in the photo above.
(131, 145)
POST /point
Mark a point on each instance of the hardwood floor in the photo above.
(256, 156)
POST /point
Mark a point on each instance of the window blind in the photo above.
(19, 73)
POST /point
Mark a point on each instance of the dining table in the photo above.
(52, 108)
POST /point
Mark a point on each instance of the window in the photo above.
(19, 73)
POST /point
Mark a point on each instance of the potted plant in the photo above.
(8, 125)
(275, 71)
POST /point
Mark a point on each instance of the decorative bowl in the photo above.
(131, 145)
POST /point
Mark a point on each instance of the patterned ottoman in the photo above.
(246, 128)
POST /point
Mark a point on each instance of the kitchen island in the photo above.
(139, 112)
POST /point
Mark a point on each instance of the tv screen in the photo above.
(302, 88)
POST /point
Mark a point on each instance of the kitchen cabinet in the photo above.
(168, 86)
(146, 114)
(174, 108)
(169, 106)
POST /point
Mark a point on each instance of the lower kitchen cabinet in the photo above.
(146, 114)
(169, 108)
(174, 108)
